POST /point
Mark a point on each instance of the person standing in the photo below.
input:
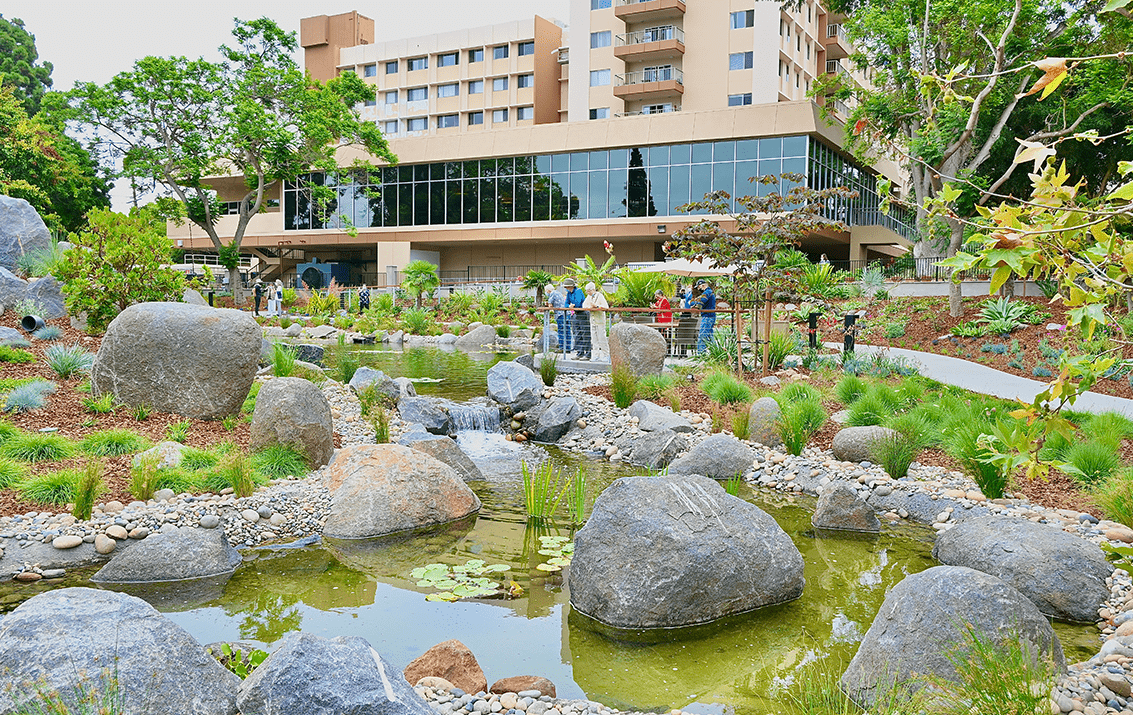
(556, 299)
(706, 302)
(574, 299)
(599, 343)
(277, 293)
(364, 299)
(257, 296)
(661, 304)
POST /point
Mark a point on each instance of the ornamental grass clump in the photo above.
(36, 447)
(849, 389)
(11, 472)
(57, 487)
(798, 422)
(544, 488)
(143, 477)
(113, 443)
(90, 486)
(652, 387)
(895, 452)
(549, 368)
(623, 385)
(961, 438)
(346, 360)
(1114, 496)
(48, 332)
(1092, 462)
(68, 360)
(29, 396)
(235, 471)
(277, 461)
(725, 389)
(283, 359)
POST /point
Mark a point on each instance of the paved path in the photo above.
(981, 378)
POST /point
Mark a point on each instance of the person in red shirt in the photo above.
(661, 303)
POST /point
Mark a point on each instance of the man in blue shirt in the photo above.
(574, 299)
(705, 301)
(557, 299)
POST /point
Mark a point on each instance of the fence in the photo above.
(909, 268)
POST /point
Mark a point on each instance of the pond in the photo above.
(743, 663)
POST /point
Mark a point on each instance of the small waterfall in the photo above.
(472, 417)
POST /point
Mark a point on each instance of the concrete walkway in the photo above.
(983, 379)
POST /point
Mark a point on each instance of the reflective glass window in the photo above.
(599, 160)
(701, 153)
(579, 161)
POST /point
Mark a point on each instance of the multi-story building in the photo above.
(527, 144)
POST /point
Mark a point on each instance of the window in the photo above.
(476, 55)
(796, 79)
(739, 100)
(390, 97)
(370, 71)
(739, 61)
(798, 43)
(599, 78)
(391, 67)
(524, 113)
(448, 121)
(657, 108)
(417, 94)
(476, 86)
(526, 48)
(499, 84)
(742, 19)
(475, 118)
(808, 49)
(417, 63)
(601, 39)
(600, 113)
(371, 102)
(600, 4)
(389, 127)
(525, 81)
(499, 116)
(657, 74)
(448, 59)
(448, 90)
(417, 124)
(499, 52)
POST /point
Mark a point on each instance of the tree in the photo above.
(18, 68)
(420, 278)
(537, 280)
(122, 266)
(176, 122)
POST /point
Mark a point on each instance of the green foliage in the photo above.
(895, 330)
(196, 460)
(537, 281)
(503, 331)
(380, 422)
(140, 412)
(277, 461)
(798, 422)
(283, 359)
(420, 278)
(103, 404)
(143, 477)
(57, 487)
(234, 470)
(1004, 314)
(849, 389)
(1114, 496)
(123, 266)
(37, 447)
(15, 356)
(895, 452)
(1040, 371)
(780, 346)
(651, 387)
(178, 431)
(90, 486)
(418, 321)
(636, 289)
(623, 386)
(820, 280)
(732, 486)
(725, 389)
(549, 368)
(457, 582)
(720, 349)
(591, 272)
(576, 499)
(560, 549)
(346, 360)
(384, 304)
(460, 303)
(11, 472)
(970, 329)
(816, 691)
(113, 443)
(26, 79)
(869, 409)
(237, 663)
(740, 421)
(39, 263)
(544, 488)
(799, 391)
(7, 431)
(28, 396)
(68, 361)
(1091, 462)
(962, 443)
(1110, 428)
(249, 405)
(322, 304)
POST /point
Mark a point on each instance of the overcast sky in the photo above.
(93, 41)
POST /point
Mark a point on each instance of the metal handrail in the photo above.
(835, 30)
(640, 113)
(652, 34)
(659, 74)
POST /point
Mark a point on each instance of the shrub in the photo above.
(549, 368)
(57, 487)
(895, 330)
(48, 332)
(623, 385)
(29, 396)
(725, 389)
(178, 431)
(279, 460)
(799, 391)
(1114, 496)
(68, 361)
(740, 422)
(385, 304)
(503, 331)
(15, 355)
(283, 358)
(113, 443)
(895, 452)
(418, 321)
(849, 389)
(653, 386)
(143, 477)
(37, 447)
(420, 278)
(1091, 462)
(799, 422)
(961, 442)
(720, 349)
(780, 346)
(11, 472)
(103, 404)
(88, 489)
(869, 409)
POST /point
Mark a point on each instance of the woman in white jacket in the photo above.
(599, 343)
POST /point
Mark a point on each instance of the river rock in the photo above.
(430, 412)
(167, 453)
(193, 297)
(666, 552)
(720, 456)
(405, 387)
(478, 338)
(855, 444)
(9, 336)
(550, 423)
(639, 347)
(307, 352)
(523, 683)
(172, 556)
(320, 676)
(652, 449)
(387, 488)
(104, 545)
(652, 417)
(514, 386)
(446, 450)
(73, 637)
(453, 661)
(763, 422)
(840, 508)
(22, 231)
(187, 359)
(1063, 575)
(922, 619)
(366, 376)
(293, 411)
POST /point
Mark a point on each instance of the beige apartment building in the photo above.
(527, 144)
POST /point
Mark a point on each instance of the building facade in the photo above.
(527, 144)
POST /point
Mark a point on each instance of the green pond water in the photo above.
(742, 664)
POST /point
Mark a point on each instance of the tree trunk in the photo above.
(955, 296)
(234, 285)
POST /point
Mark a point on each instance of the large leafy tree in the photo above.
(18, 67)
(176, 122)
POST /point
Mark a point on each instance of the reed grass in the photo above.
(623, 385)
(90, 486)
(544, 488)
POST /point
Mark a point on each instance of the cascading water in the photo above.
(473, 417)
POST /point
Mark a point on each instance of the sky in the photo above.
(93, 41)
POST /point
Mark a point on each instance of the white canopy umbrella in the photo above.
(688, 268)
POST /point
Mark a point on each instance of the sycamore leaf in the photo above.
(1033, 151)
(960, 262)
(999, 258)
(1054, 71)
(1124, 167)
(1124, 192)
(1115, 5)
(999, 278)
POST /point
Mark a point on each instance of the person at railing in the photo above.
(574, 299)
(704, 300)
(664, 309)
(599, 342)
(364, 299)
(557, 299)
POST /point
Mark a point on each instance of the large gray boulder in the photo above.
(9, 336)
(293, 411)
(923, 620)
(654, 449)
(666, 552)
(187, 359)
(384, 384)
(639, 347)
(321, 676)
(46, 292)
(172, 556)
(763, 422)
(477, 338)
(193, 297)
(21, 231)
(313, 354)
(855, 444)
(840, 508)
(550, 423)
(652, 417)
(720, 456)
(380, 489)
(87, 638)
(446, 450)
(514, 386)
(1063, 574)
(432, 413)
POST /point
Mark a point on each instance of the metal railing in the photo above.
(641, 112)
(211, 259)
(653, 74)
(909, 268)
(835, 30)
(835, 67)
(652, 34)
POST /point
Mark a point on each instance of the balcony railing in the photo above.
(658, 74)
(653, 34)
(835, 30)
(835, 67)
(667, 108)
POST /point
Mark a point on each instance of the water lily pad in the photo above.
(443, 596)
(548, 567)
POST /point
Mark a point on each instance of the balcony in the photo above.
(836, 43)
(650, 83)
(651, 45)
(651, 109)
(834, 67)
(635, 11)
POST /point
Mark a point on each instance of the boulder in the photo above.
(446, 339)
(380, 489)
(453, 661)
(321, 332)
(652, 449)
(293, 331)
(652, 417)
(840, 508)
(429, 412)
(366, 376)
(414, 433)
(720, 456)
(310, 353)
(551, 422)
(47, 292)
(667, 552)
(763, 422)
(1063, 575)
(168, 454)
(642, 348)
(172, 556)
(527, 360)
(521, 683)
(405, 387)
(478, 338)
(855, 444)
(293, 411)
(923, 619)
(192, 297)
(395, 338)
(321, 676)
(21, 231)
(55, 640)
(11, 335)
(187, 359)
(446, 450)
(514, 386)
